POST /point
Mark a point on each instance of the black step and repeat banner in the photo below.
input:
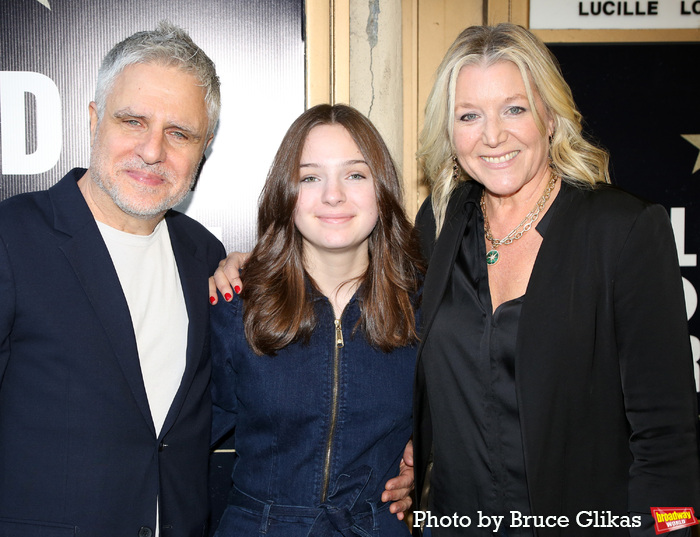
(50, 51)
(642, 103)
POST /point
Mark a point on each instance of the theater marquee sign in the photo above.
(614, 14)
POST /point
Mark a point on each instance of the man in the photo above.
(104, 367)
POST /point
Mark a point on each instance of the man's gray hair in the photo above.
(167, 45)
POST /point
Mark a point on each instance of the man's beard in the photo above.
(133, 206)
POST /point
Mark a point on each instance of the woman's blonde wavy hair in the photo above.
(576, 160)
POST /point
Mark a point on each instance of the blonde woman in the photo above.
(554, 373)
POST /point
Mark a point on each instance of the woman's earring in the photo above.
(551, 162)
(455, 168)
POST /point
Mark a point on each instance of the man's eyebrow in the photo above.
(191, 131)
(126, 112)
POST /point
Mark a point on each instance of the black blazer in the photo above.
(78, 449)
(604, 377)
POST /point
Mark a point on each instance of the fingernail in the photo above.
(237, 289)
(228, 296)
(212, 299)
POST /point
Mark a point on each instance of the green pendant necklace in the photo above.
(519, 230)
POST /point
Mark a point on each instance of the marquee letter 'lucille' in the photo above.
(619, 8)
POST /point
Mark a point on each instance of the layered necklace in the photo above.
(519, 230)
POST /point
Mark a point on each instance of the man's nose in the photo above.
(152, 147)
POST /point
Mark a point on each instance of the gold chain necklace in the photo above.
(526, 224)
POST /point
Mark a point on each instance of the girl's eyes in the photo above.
(313, 179)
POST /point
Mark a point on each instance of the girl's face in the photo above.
(337, 205)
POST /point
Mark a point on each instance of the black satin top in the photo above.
(479, 458)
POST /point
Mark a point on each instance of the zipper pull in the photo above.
(339, 343)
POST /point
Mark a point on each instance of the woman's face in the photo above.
(337, 206)
(497, 140)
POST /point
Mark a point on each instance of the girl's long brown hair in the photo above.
(278, 306)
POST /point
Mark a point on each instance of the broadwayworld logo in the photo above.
(672, 518)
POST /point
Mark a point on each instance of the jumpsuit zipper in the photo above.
(339, 343)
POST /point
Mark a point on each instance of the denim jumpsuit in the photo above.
(319, 428)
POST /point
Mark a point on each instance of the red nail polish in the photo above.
(228, 296)
(212, 299)
(237, 289)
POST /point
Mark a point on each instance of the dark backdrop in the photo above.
(637, 101)
(258, 49)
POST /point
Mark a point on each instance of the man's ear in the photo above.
(94, 120)
(199, 170)
(201, 164)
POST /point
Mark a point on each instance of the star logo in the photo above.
(45, 3)
(492, 257)
(695, 140)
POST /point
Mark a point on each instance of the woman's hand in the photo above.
(398, 489)
(227, 278)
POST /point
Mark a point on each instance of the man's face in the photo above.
(147, 147)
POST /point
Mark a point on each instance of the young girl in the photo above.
(313, 363)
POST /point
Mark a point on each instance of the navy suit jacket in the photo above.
(78, 450)
(603, 368)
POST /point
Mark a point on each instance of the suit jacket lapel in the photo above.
(193, 270)
(443, 257)
(87, 253)
(440, 266)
